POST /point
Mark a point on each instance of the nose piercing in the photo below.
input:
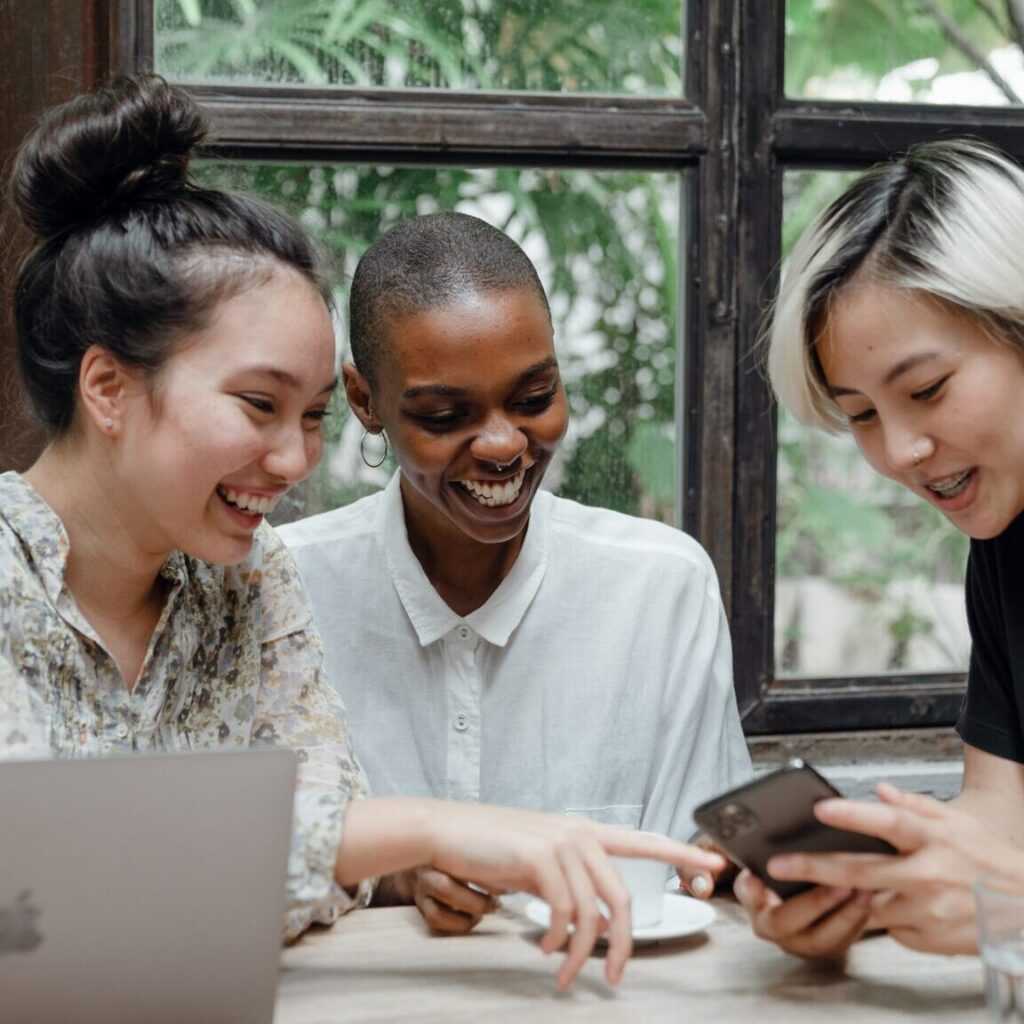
(916, 455)
(502, 466)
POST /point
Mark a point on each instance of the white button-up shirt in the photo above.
(597, 678)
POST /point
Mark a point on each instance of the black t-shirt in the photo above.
(992, 718)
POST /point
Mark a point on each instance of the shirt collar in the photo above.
(430, 616)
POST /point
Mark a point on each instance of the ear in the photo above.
(102, 385)
(360, 400)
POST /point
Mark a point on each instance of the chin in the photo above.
(220, 552)
(499, 535)
(983, 530)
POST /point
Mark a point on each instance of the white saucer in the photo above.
(680, 915)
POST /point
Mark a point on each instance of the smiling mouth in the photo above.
(494, 493)
(250, 504)
(951, 486)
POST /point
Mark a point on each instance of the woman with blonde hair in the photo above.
(900, 319)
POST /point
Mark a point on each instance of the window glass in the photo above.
(906, 51)
(627, 46)
(605, 245)
(869, 578)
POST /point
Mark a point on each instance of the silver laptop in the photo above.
(143, 889)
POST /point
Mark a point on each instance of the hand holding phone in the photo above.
(775, 814)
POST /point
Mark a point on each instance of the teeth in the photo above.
(493, 494)
(950, 486)
(254, 504)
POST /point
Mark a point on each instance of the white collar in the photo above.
(430, 616)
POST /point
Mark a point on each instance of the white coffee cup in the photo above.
(645, 879)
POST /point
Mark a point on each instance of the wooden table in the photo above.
(383, 965)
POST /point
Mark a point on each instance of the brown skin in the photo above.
(461, 390)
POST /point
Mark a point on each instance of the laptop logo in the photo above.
(18, 932)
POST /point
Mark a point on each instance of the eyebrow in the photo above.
(447, 391)
(902, 367)
(284, 377)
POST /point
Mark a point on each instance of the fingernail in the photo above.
(828, 806)
(700, 885)
(778, 866)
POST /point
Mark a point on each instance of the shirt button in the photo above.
(121, 732)
(464, 633)
(461, 722)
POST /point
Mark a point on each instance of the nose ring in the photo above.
(502, 466)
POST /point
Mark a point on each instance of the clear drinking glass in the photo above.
(1001, 942)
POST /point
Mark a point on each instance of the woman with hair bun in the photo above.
(901, 319)
(177, 343)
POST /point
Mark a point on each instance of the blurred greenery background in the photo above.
(607, 243)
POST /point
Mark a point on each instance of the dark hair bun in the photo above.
(100, 154)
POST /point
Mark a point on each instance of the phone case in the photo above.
(774, 814)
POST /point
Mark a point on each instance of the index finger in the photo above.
(627, 843)
(905, 829)
(837, 870)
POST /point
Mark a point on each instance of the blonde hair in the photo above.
(947, 220)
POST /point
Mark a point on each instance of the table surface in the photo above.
(384, 965)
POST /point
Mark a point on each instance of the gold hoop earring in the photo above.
(362, 451)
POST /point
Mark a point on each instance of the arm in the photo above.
(24, 732)
(296, 708)
(993, 793)
(562, 859)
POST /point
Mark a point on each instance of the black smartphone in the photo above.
(775, 814)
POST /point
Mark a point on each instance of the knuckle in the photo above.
(561, 906)
(618, 901)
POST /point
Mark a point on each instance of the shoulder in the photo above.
(263, 589)
(615, 535)
(334, 527)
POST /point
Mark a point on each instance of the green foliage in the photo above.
(608, 240)
(576, 45)
(872, 37)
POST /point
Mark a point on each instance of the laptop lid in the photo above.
(143, 888)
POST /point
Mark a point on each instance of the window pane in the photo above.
(903, 51)
(605, 244)
(625, 46)
(869, 578)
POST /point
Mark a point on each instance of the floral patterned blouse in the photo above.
(234, 662)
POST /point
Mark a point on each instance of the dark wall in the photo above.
(50, 50)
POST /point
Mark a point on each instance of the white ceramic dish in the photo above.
(680, 915)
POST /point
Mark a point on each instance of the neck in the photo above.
(464, 571)
(109, 572)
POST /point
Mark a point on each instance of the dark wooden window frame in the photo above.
(734, 136)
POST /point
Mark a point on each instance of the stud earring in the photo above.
(108, 423)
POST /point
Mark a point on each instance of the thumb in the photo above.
(698, 883)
